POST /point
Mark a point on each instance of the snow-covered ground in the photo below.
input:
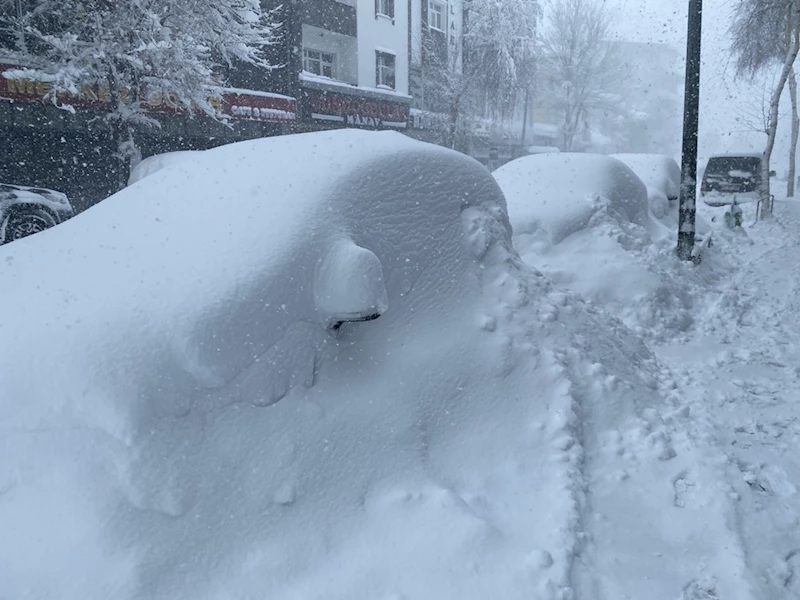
(727, 338)
(178, 419)
(740, 371)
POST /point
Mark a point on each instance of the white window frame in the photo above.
(441, 14)
(320, 60)
(384, 8)
(382, 70)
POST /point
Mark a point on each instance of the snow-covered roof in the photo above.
(735, 154)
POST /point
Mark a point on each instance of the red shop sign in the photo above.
(232, 103)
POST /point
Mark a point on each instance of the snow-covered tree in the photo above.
(501, 42)
(581, 70)
(767, 33)
(135, 49)
(449, 91)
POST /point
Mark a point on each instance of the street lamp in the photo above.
(691, 112)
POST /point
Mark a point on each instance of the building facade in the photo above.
(338, 63)
(351, 61)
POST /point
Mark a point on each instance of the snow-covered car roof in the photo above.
(737, 154)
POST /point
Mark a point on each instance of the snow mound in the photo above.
(152, 164)
(180, 417)
(559, 193)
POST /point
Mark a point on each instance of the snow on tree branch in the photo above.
(164, 46)
(759, 34)
(500, 36)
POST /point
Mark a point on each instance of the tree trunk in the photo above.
(795, 132)
(772, 130)
(525, 116)
(452, 126)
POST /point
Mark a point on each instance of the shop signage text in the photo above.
(235, 105)
(356, 111)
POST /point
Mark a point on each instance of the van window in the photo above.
(732, 174)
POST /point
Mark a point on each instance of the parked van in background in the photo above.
(729, 176)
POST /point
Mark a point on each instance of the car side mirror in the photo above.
(348, 285)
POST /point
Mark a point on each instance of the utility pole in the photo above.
(691, 112)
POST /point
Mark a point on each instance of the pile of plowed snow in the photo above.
(178, 418)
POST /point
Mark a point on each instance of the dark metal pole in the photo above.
(691, 112)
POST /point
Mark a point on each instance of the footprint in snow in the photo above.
(770, 480)
(684, 489)
(705, 589)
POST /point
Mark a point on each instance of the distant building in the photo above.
(649, 116)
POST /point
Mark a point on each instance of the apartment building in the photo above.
(347, 63)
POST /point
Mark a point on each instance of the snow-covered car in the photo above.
(28, 210)
(152, 164)
(558, 193)
(729, 176)
(194, 404)
(582, 220)
(662, 176)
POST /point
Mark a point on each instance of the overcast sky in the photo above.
(726, 103)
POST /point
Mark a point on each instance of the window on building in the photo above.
(319, 63)
(437, 16)
(384, 71)
(384, 7)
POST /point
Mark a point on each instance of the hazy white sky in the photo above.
(726, 103)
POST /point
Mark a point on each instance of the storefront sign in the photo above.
(234, 104)
(355, 111)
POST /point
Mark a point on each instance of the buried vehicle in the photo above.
(583, 221)
(313, 364)
(558, 193)
(28, 210)
(662, 176)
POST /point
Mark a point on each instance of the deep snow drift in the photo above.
(178, 419)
